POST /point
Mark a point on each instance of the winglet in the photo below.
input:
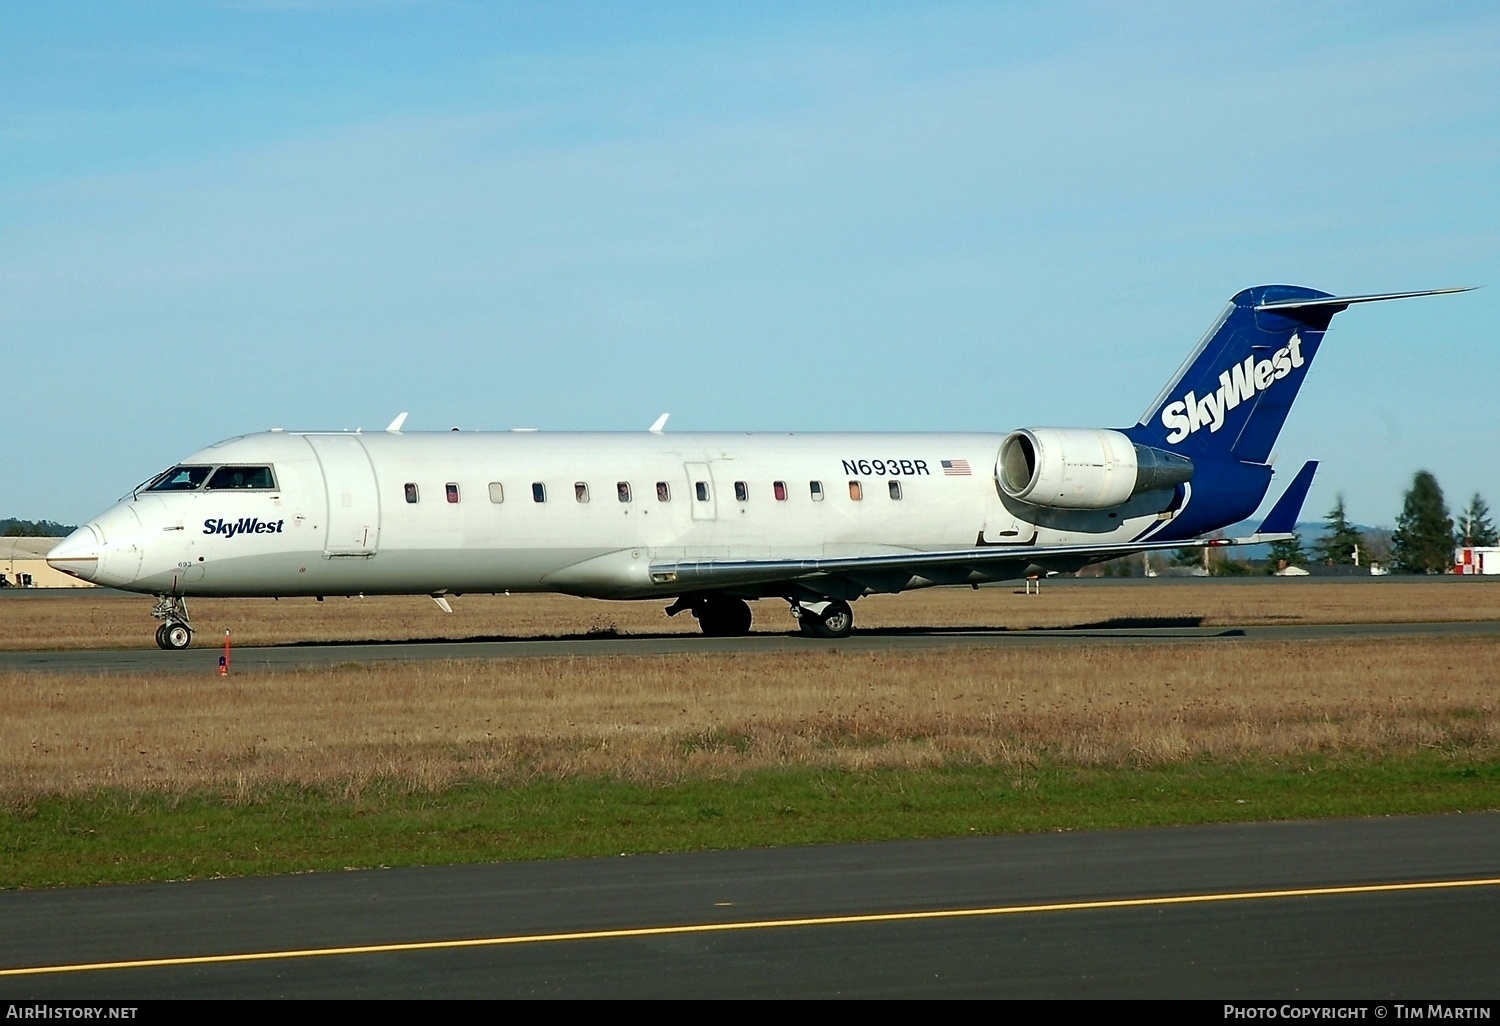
(660, 425)
(1283, 516)
(394, 427)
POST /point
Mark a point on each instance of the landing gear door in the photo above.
(353, 527)
(701, 497)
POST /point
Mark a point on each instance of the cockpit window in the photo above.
(179, 479)
(242, 478)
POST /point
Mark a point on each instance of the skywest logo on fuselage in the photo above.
(1237, 385)
(244, 525)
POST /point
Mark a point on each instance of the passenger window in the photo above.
(452, 491)
(742, 491)
(701, 487)
(895, 487)
(497, 492)
(538, 492)
(411, 493)
(663, 492)
(179, 479)
(622, 489)
(816, 489)
(241, 478)
(780, 489)
(581, 491)
(856, 491)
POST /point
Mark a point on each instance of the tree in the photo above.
(1340, 541)
(1474, 526)
(1423, 539)
(1188, 557)
(34, 529)
(1377, 547)
(1287, 553)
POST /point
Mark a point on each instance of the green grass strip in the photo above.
(117, 837)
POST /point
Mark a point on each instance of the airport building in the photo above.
(1476, 559)
(23, 564)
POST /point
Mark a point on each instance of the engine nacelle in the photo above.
(1083, 468)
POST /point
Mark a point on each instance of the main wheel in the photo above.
(161, 636)
(723, 617)
(836, 620)
(176, 636)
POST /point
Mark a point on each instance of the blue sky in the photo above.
(218, 218)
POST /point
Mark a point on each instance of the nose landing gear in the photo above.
(174, 634)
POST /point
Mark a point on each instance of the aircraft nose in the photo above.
(78, 554)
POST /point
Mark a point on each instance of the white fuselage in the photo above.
(340, 518)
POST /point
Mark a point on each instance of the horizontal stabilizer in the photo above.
(1283, 515)
(1341, 302)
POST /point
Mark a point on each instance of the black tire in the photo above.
(177, 636)
(835, 621)
(723, 617)
(161, 637)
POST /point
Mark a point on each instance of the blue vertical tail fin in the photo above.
(1232, 395)
(1227, 403)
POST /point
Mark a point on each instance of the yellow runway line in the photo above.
(761, 924)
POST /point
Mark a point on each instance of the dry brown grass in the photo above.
(426, 725)
(84, 620)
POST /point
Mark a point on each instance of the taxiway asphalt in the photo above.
(1359, 909)
(205, 659)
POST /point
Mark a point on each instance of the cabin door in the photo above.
(701, 497)
(353, 527)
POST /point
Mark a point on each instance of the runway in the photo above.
(203, 660)
(1383, 908)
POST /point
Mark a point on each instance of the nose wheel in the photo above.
(174, 634)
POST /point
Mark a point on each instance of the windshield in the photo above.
(179, 479)
(241, 477)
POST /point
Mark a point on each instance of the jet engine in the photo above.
(1083, 468)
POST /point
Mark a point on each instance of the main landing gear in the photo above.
(174, 634)
(830, 619)
(723, 616)
(720, 616)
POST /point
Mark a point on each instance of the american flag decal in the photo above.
(955, 468)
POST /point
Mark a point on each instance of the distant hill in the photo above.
(10, 528)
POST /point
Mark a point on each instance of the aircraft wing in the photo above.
(953, 566)
(709, 574)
